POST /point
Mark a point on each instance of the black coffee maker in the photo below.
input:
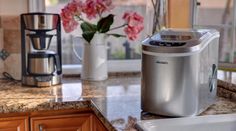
(40, 65)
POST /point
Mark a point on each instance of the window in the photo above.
(219, 14)
(123, 55)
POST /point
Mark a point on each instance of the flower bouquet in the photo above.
(81, 12)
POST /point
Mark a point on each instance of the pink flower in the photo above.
(132, 32)
(68, 13)
(68, 21)
(69, 25)
(133, 18)
(134, 24)
(90, 9)
(104, 5)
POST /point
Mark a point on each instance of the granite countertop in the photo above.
(115, 101)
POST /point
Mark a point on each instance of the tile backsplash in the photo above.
(1, 38)
(12, 65)
(10, 22)
(10, 41)
(10, 37)
(1, 47)
(13, 7)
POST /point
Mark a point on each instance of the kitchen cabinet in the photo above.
(80, 122)
(56, 121)
(14, 124)
(97, 125)
(75, 122)
(180, 13)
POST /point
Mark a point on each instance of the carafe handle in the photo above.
(58, 64)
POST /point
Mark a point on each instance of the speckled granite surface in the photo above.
(116, 101)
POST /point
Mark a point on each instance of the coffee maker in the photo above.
(40, 65)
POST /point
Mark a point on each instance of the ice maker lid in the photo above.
(179, 40)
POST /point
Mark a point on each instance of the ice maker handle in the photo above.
(213, 78)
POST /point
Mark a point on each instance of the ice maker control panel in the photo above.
(167, 44)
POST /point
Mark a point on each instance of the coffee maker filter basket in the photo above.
(40, 41)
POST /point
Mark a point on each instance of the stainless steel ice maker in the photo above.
(179, 71)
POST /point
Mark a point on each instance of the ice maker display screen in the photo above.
(176, 37)
(168, 44)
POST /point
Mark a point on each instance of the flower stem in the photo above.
(81, 19)
(114, 28)
(99, 14)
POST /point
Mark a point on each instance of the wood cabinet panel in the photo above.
(77, 122)
(56, 121)
(97, 125)
(179, 14)
(14, 124)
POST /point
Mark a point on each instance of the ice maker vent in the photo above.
(167, 44)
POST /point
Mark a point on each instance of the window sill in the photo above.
(114, 66)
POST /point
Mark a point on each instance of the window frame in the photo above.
(221, 65)
(128, 65)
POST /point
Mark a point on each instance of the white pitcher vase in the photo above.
(94, 59)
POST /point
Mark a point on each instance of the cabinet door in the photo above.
(81, 122)
(14, 124)
(97, 125)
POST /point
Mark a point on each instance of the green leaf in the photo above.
(88, 27)
(88, 36)
(88, 31)
(105, 23)
(117, 35)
